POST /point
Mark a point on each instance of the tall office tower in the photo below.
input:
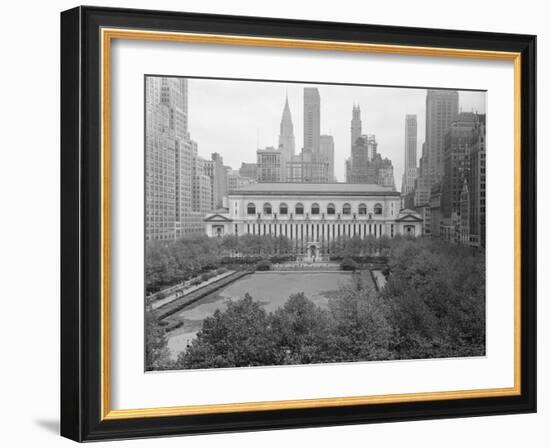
(410, 141)
(476, 184)
(385, 174)
(201, 193)
(433, 221)
(286, 139)
(294, 169)
(356, 125)
(269, 164)
(249, 170)
(183, 188)
(464, 214)
(308, 168)
(160, 204)
(347, 169)
(168, 159)
(441, 111)
(312, 120)
(326, 153)
(409, 161)
(228, 171)
(360, 161)
(422, 183)
(202, 188)
(174, 95)
(208, 166)
(219, 180)
(458, 141)
(363, 154)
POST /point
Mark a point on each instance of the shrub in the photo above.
(282, 258)
(240, 260)
(196, 281)
(263, 265)
(348, 265)
(209, 267)
(160, 295)
(208, 275)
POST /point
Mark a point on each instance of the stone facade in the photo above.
(314, 213)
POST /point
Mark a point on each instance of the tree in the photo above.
(368, 244)
(157, 354)
(436, 292)
(160, 265)
(433, 305)
(361, 330)
(230, 243)
(237, 337)
(301, 329)
(282, 244)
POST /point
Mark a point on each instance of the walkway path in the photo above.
(181, 302)
(189, 290)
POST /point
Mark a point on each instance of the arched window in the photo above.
(378, 209)
(251, 209)
(315, 209)
(346, 209)
(331, 209)
(299, 209)
(283, 209)
(362, 209)
(267, 208)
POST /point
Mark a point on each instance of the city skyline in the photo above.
(220, 206)
(247, 116)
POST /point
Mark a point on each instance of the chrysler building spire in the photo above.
(286, 136)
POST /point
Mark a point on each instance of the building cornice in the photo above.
(396, 194)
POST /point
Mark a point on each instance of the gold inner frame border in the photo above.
(107, 36)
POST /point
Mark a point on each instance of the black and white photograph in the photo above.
(275, 224)
(289, 223)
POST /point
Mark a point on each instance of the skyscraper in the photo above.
(160, 204)
(441, 111)
(326, 145)
(219, 179)
(312, 120)
(385, 173)
(356, 124)
(202, 188)
(310, 165)
(458, 141)
(347, 169)
(286, 139)
(464, 212)
(422, 183)
(366, 165)
(409, 160)
(168, 153)
(363, 153)
(476, 185)
(269, 162)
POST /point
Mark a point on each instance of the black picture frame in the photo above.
(81, 224)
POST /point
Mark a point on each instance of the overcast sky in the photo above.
(234, 118)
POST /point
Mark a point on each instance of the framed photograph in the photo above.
(273, 223)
